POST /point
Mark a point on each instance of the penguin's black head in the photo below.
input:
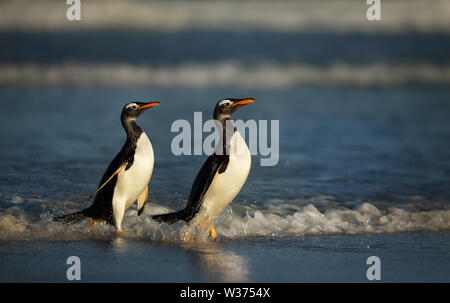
(133, 110)
(226, 107)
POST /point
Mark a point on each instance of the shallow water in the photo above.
(405, 257)
(362, 171)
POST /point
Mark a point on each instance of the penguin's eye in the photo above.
(132, 106)
(228, 104)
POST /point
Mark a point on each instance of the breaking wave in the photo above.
(233, 73)
(280, 219)
(308, 220)
(397, 15)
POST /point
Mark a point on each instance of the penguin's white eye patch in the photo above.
(132, 105)
(227, 103)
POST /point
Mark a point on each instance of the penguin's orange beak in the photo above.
(244, 101)
(148, 105)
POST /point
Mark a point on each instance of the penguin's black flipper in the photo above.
(214, 164)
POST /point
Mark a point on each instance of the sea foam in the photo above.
(287, 219)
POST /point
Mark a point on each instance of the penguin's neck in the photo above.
(227, 133)
(133, 131)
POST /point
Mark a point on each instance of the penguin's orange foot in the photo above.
(212, 233)
(187, 236)
(91, 226)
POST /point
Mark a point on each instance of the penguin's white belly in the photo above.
(228, 184)
(132, 182)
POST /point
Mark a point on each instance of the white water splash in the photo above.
(288, 219)
(310, 221)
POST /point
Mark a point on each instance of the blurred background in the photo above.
(246, 43)
(364, 133)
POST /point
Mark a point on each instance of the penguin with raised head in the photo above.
(221, 177)
(127, 176)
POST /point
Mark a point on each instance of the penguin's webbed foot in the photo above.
(212, 233)
(187, 236)
(91, 226)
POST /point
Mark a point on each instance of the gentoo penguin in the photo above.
(221, 177)
(127, 176)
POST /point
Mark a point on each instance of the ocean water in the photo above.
(364, 138)
(220, 58)
(361, 172)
